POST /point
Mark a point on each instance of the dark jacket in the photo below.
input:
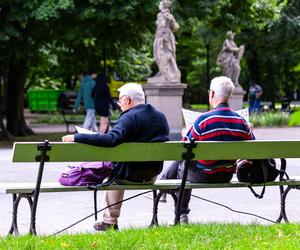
(86, 87)
(142, 123)
(102, 96)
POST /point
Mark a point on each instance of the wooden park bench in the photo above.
(41, 153)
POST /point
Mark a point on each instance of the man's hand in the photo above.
(250, 126)
(184, 132)
(68, 138)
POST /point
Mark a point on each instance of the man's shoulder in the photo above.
(218, 112)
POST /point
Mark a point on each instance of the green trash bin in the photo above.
(43, 100)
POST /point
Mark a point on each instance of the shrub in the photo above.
(270, 119)
(295, 119)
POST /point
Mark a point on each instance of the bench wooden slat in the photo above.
(77, 152)
(247, 150)
(72, 152)
(10, 188)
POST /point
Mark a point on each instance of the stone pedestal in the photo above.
(236, 101)
(167, 98)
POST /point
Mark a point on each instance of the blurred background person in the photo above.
(87, 84)
(254, 95)
(103, 100)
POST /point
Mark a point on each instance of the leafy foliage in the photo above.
(270, 119)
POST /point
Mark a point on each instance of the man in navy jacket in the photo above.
(139, 122)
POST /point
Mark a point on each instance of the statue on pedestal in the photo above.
(229, 59)
(164, 47)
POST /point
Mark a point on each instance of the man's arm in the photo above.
(118, 134)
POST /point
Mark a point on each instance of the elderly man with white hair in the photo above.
(139, 122)
(219, 124)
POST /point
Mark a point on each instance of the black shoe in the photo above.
(102, 226)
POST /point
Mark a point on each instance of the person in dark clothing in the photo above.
(103, 100)
(139, 122)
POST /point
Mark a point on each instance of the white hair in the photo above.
(134, 91)
(222, 86)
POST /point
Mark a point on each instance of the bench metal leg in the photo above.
(282, 204)
(42, 158)
(156, 198)
(187, 156)
(16, 200)
(154, 221)
(181, 192)
(283, 208)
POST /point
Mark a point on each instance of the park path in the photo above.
(58, 210)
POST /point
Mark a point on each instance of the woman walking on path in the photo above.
(103, 99)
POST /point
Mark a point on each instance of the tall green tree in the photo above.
(204, 25)
(88, 26)
(273, 54)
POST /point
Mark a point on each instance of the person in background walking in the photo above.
(254, 95)
(103, 100)
(87, 84)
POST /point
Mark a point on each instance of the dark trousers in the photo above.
(195, 175)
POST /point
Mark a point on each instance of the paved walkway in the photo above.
(58, 210)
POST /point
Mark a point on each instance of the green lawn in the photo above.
(203, 236)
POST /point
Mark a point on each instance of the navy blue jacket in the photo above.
(142, 123)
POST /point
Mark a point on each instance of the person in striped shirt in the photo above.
(219, 124)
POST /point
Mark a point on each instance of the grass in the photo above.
(197, 236)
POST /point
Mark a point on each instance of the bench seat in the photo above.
(28, 188)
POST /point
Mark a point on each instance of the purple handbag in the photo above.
(87, 173)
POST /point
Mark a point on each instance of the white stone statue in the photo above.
(164, 47)
(230, 57)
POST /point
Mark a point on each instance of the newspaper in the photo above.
(190, 116)
(84, 131)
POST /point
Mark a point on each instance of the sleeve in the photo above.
(118, 134)
(194, 131)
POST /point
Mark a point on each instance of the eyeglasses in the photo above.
(121, 99)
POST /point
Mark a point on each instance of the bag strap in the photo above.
(265, 174)
(282, 174)
(282, 171)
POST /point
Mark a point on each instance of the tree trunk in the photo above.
(271, 93)
(4, 134)
(16, 124)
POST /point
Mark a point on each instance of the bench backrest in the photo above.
(72, 152)
(259, 149)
